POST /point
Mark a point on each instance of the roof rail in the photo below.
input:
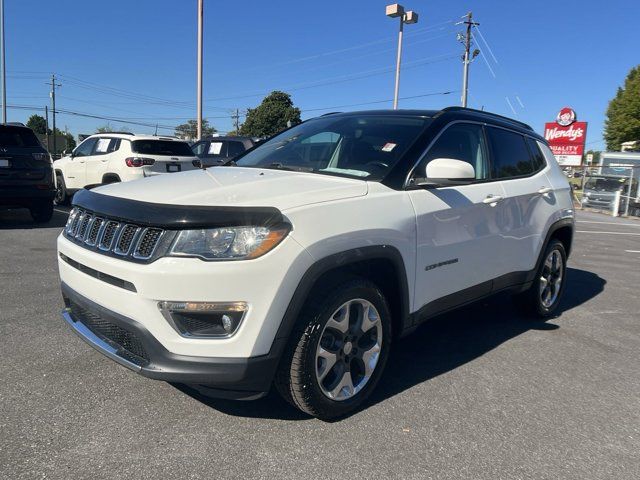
(119, 133)
(15, 124)
(502, 117)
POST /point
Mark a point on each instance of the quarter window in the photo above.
(537, 156)
(234, 148)
(462, 141)
(511, 156)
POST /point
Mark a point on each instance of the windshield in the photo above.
(361, 146)
(161, 147)
(17, 137)
(604, 184)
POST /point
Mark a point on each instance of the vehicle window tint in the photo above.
(114, 145)
(461, 141)
(234, 148)
(102, 146)
(17, 137)
(511, 157)
(359, 145)
(537, 156)
(85, 148)
(161, 147)
(199, 148)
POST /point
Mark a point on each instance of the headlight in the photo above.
(229, 243)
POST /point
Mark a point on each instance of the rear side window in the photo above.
(536, 155)
(114, 145)
(234, 148)
(511, 156)
(161, 147)
(17, 137)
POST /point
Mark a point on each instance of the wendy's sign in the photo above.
(566, 137)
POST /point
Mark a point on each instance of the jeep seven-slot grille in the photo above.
(129, 345)
(122, 239)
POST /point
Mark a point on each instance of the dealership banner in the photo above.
(566, 138)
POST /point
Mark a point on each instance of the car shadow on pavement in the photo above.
(440, 345)
(20, 219)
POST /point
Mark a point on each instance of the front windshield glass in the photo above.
(360, 146)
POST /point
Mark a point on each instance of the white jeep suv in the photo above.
(119, 157)
(301, 262)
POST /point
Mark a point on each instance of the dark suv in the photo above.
(26, 173)
(217, 150)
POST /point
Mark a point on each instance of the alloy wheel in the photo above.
(551, 279)
(349, 349)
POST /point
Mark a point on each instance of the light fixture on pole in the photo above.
(396, 10)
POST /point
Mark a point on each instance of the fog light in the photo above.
(204, 319)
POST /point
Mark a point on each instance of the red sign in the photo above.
(566, 137)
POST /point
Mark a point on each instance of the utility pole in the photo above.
(53, 107)
(467, 58)
(46, 129)
(236, 121)
(3, 68)
(199, 88)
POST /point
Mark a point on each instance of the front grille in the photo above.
(128, 344)
(111, 236)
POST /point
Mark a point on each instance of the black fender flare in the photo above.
(335, 261)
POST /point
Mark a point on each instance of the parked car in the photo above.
(218, 150)
(600, 191)
(119, 157)
(300, 263)
(26, 176)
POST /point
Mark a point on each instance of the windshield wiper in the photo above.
(295, 168)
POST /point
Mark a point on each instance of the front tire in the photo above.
(543, 297)
(338, 349)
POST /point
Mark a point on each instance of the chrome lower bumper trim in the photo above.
(96, 342)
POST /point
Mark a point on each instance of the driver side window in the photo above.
(461, 141)
(85, 148)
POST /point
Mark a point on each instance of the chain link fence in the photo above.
(606, 189)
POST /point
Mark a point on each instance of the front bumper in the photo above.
(130, 344)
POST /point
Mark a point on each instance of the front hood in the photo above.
(237, 186)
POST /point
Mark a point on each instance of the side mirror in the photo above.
(447, 171)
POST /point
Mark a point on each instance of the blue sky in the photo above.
(135, 60)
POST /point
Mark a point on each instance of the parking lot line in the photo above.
(610, 223)
(610, 233)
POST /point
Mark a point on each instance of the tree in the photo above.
(189, 130)
(623, 114)
(270, 117)
(107, 127)
(38, 124)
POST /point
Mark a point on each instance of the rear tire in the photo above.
(42, 211)
(62, 197)
(338, 349)
(545, 293)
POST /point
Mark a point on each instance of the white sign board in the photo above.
(215, 148)
(569, 160)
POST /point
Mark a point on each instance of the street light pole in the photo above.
(393, 11)
(199, 88)
(3, 74)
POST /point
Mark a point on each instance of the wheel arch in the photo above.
(110, 178)
(382, 264)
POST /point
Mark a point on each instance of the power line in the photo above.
(378, 101)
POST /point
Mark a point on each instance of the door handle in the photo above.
(544, 190)
(492, 199)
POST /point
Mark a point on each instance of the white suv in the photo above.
(300, 263)
(119, 157)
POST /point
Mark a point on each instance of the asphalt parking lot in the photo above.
(480, 393)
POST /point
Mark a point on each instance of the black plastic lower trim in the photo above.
(232, 377)
(115, 281)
